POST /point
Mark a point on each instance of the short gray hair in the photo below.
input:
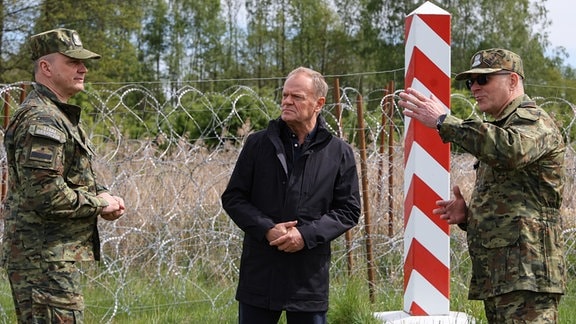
(320, 85)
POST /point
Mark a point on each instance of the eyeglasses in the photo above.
(482, 79)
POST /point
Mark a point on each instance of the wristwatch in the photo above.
(439, 121)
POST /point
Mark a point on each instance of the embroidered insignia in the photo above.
(76, 39)
(48, 132)
(477, 60)
(43, 154)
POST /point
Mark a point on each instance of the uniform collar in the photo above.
(72, 111)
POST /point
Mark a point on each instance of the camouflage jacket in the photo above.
(50, 213)
(514, 224)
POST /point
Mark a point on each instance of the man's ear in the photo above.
(514, 80)
(44, 66)
(319, 104)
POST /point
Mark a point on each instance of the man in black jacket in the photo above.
(293, 190)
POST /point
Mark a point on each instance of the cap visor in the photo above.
(81, 54)
(464, 75)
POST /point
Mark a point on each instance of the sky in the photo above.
(561, 13)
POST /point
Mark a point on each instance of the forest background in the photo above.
(181, 83)
(218, 43)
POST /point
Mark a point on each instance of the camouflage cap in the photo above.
(61, 40)
(493, 60)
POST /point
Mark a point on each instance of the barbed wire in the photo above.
(560, 86)
(175, 226)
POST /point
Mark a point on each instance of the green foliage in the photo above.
(563, 113)
(156, 24)
(179, 299)
(135, 112)
(212, 40)
(486, 24)
(462, 105)
(350, 303)
(106, 27)
(217, 117)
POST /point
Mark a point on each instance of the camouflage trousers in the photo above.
(50, 294)
(522, 306)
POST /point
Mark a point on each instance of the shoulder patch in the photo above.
(528, 113)
(41, 155)
(48, 132)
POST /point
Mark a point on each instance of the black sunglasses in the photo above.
(482, 79)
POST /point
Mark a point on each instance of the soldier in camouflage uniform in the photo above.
(54, 199)
(512, 221)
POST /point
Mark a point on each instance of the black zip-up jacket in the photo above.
(320, 190)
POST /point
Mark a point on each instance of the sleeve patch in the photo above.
(48, 132)
(42, 153)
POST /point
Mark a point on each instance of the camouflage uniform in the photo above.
(522, 306)
(513, 222)
(50, 213)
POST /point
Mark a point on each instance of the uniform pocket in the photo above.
(56, 307)
(80, 173)
(501, 235)
(500, 260)
(520, 253)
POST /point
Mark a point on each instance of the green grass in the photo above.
(186, 299)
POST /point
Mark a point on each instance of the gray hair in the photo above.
(320, 85)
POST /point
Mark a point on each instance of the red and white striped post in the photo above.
(427, 175)
(426, 167)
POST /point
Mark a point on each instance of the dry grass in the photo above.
(175, 217)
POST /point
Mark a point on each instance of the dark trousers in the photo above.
(255, 315)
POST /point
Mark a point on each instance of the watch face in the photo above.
(439, 121)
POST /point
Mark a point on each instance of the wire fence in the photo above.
(175, 230)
